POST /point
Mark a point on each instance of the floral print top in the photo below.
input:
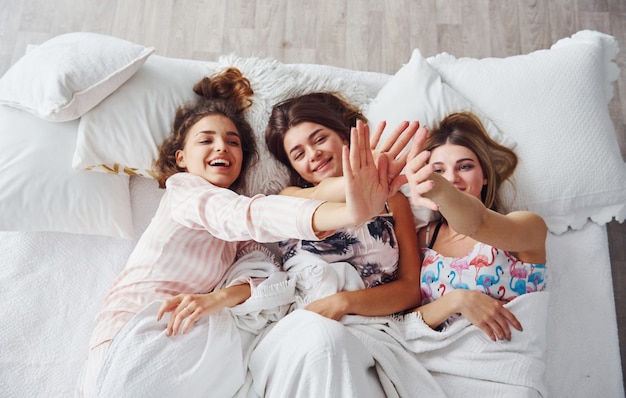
(371, 248)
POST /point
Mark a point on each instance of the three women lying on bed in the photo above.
(201, 225)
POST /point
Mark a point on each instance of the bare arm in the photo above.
(521, 232)
(193, 306)
(483, 311)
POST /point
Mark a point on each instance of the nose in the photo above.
(450, 175)
(220, 145)
(312, 153)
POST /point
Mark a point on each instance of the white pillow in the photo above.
(69, 74)
(123, 133)
(554, 104)
(40, 190)
(416, 92)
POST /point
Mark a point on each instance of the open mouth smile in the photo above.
(219, 163)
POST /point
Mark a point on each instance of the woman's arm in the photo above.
(331, 189)
(193, 306)
(521, 232)
(391, 297)
(483, 311)
(195, 203)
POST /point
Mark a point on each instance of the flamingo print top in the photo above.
(487, 269)
(371, 248)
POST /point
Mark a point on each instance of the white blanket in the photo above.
(412, 360)
(211, 358)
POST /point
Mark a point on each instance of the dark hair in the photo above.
(498, 162)
(326, 109)
(227, 93)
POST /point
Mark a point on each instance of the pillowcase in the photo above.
(553, 103)
(40, 190)
(123, 133)
(69, 74)
(416, 92)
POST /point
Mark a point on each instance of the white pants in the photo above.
(308, 355)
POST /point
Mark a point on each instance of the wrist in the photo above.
(342, 302)
(457, 298)
(233, 295)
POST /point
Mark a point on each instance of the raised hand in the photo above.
(394, 145)
(367, 187)
(419, 172)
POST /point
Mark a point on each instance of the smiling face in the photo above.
(212, 151)
(314, 151)
(460, 166)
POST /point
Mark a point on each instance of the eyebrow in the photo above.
(313, 134)
(213, 132)
(459, 161)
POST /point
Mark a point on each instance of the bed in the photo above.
(82, 114)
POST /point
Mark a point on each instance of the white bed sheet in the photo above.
(53, 284)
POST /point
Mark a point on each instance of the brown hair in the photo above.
(327, 109)
(227, 93)
(498, 162)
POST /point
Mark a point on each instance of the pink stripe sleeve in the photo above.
(197, 204)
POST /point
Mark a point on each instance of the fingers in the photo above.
(355, 154)
(397, 183)
(365, 153)
(346, 159)
(392, 138)
(184, 313)
(399, 138)
(382, 166)
(168, 305)
(499, 326)
(418, 142)
(420, 182)
(418, 162)
(360, 153)
(512, 319)
(377, 134)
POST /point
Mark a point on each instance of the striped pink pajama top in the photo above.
(191, 242)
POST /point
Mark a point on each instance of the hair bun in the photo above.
(228, 85)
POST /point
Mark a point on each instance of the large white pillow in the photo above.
(42, 192)
(123, 133)
(416, 92)
(553, 103)
(69, 74)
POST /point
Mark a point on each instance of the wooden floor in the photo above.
(369, 35)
